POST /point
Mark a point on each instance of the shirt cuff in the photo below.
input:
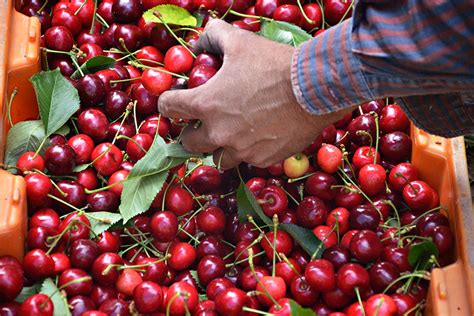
(326, 75)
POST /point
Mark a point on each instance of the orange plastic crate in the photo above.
(441, 162)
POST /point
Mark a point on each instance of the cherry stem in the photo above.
(379, 305)
(365, 133)
(140, 65)
(64, 202)
(9, 105)
(262, 233)
(395, 211)
(230, 265)
(125, 80)
(80, 8)
(168, 307)
(301, 178)
(133, 141)
(346, 13)
(52, 182)
(102, 20)
(298, 2)
(359, 299)
(40, 147)
(105, 188)
(292, 267)
(423, 275)
(78, 67)
(377, 136)
(242, 15)
(58, 237)
(252, 268)
(256, 311)
(141, 60)
(290, 196)
(275, 230)
(43, 6)
(86, 278)
(399, 175)
(92, 29)
(316, 252)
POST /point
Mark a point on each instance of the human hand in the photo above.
(248, 111)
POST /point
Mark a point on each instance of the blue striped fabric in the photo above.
(419, 50)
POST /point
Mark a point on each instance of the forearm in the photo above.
(371, 56)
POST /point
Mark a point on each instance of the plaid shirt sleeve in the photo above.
(420, 51)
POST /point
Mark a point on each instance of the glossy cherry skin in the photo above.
(339, 217)
(393, 119)
(74, 194)
(182, 256)
(80, 305)
(61, 262)
(91, 90)
(311, 212)
(89, 51)
(63, 64)
(178, 200)
(37, 237)
(75, 227)
(100, 271)
(338, 255)
(115, 306)
(302, 292)
(116, 103)
(150, 56)
(177, 307)
(207, 59)
(108, 162)
(205, 179)
(127, 281)
(10, 309)
(288, 270)
(155, 124)
(209, 268)
(103, 201)
(178, 59)
(372, 179)
(418, 195)
(161, 39)
(126, 11)
(381, 304)
(146, 101)
(395, 146)
(397, 256)
(86, 38)
(401, 174)
(148, 297)
(231, 301)
(37, 188)
(11, 282)
(100, 294)
(348, 197)
(288, 13)
(156, 80)
(29, 161)
(88, 179)
(427, 223)
(211, 220)
(313, 12)
(200, 75)
(319, 185)
(37, 304)
(364, 123)
(155, 270)
(82, 146)
(351, 276)
(366, 246)
(60, 159)
(79, 288)
(93, 123)
(266, 7)
(274, 200)
(59, 38)
(364, 217)
(404, 303)
(83, 252)
(38, 265)
(443, 238)
(364, 155)
(337, 299)
(320, 275)
(138, 146)
(283, 243)
(382, 274)
(164, 226)
(130, 35)
(334, 10)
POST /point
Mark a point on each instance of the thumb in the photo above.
(216, 37)
(179, 104)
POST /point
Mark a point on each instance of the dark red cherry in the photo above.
(366, 246)
(91, 90)
(38, 265)
(11, 282)
(360, 128)
(80, 304)
(71, 192)
(148, 297)
(319, 185)
(59, 38)
(83, 252)
(93, 123)
(393, 119)
(382, 274)
(311, 212)
(82, 146)
(37, 304)
(395, 146)
(351, 276)
(209, 268)
(126, 11)
(128, 35)
(60, 159)
(200, 75)
(164, 226)
(103, 201)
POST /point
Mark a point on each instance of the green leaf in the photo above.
(102, 221)
(82, 167)
(170, 14)
(195, 276)
(248, 205)
(305, 238)
(199, 18)
(26, 136)
(59, 300)
(420, 253)
(148, 176)
(208, 161)
(93, 65)
(26, 292)
(57, 99)
(283, 32)
(297, 310)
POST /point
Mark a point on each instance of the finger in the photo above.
(226, 158)
(197, 140)
(179, 104)
(215, 38)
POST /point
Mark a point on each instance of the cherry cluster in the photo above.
(191, 253)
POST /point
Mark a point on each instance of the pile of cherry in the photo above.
(189, 254)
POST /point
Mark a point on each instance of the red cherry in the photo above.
(382, 305)
(82, 146)
(393, 119)
(274, 200)
(61, 262)
(37, 304)
(182, 255)
(117, 177)
(156, 81)
(127, 281)
(283, 243)
(38, 187)
(178, 59)
(364, 155)
(148, 297)
(311, 212)
(107, 158)
(75, 227)
(313, 12)
(59, 38)
(138, 146)
(68, 281)
(326, 234)
(178, 200)
(329, 158)
(320, 275)
(372, 179)
(211, 220)
(205, 179)
(11, 282)
(150, 56)
(339, 217)
(351, 276)
(29, 161)
(181, 297)
(401, 174)
(200, 75)
(334, 10)
(366, 246)
(38, 265)
(164, 226)
(418, 195)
